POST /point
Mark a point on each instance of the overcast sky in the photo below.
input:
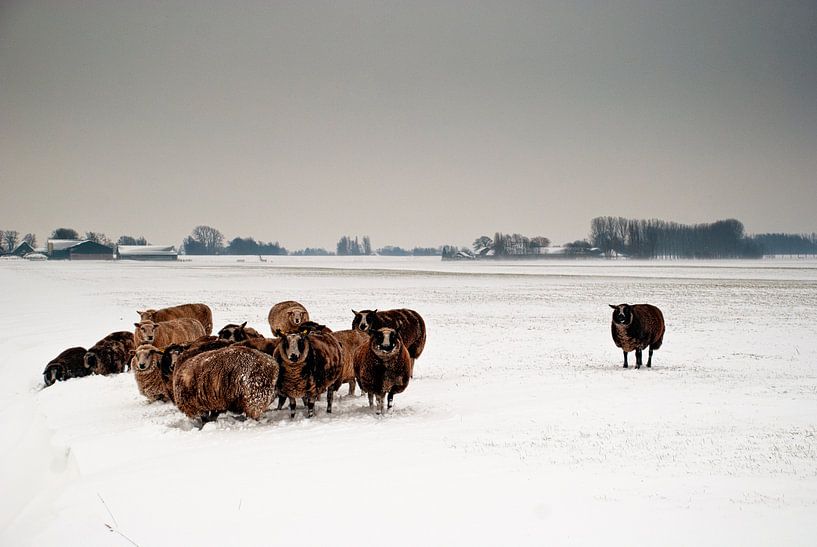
(416, 123)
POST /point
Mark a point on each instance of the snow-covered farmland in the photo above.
(519, 427)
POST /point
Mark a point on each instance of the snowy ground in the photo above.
(520, 426)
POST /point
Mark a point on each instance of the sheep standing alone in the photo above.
(238, 333)
(287, 317)
(147, 370)
(175, 331)
(408, 323)
(68, 364)
(383, 366)
(310, 363)
(350, 341)
(110, 355)
(200, 312)
(234, 379)
(635, 327)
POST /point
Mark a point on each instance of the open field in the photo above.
(519, 426)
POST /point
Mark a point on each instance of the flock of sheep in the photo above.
(174, 358)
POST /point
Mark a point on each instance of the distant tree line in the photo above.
(353, 247)
(503, 245)
(787, 244)
(661, 239)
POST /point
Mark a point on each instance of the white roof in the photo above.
(62, 244)
(152, 250)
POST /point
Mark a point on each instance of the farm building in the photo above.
(147, 252)
(69, 249)
(22, 249)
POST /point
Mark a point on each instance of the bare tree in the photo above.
(97, 237)
(10, 239)
(31, 239)
(211, 240)
(64, 233)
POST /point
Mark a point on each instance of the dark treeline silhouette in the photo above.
(655, 238)
(249, 246)
(312, 251)
(787, 244)
(392, 250)
(353, 247)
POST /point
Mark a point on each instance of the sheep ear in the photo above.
(278, 333)
(354, 312)
(140, 313)
(612, 306)
(136, 325)
(244, 324)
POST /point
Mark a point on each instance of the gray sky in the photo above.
(416, 123)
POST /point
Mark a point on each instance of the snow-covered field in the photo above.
(520, 425)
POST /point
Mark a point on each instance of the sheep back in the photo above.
(200, 312)
(110, 355)
(234, 379)
(286, 317)
(173, 331)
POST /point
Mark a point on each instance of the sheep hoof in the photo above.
(625, 366)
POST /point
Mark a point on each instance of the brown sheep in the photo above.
(110, 355)
(176, 353)
(310, 363)
(147, 370)
(264, 345)
(238, 333)
(407, 322)
(383, 366)
(287, 317)
(234, 379)
(350, 341)
(634, 327)
(68, 364)
(174, 331)
(200, 312)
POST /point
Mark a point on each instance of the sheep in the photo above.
(110, 355)
(234, 379)
(287, 317)
(176, 353)
(147, 370)
(407, 322)
(200, 312)
(383, 366)
(238, 333)
(174, 331)
(350, 341)
(310, 363)
(634, 327)
(68, 364)
(264, 345)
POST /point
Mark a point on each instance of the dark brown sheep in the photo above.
(287, 317)
(176, 353)
(68, 364)
(636, 327)
(407, 322)
(110, 355)
(235, 379)
(147, 371)
(265, 345)
(310, 363)
(200, 312)
(174, 331)
(238, 333)
(383, 366)
(350, 341)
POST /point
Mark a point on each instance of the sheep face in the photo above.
(363, 320)
(146, 315)
(147, 331)
(294, 347)
(386, 342)
(146, 357)
(622, 314)
(90, 360)
(55, 372)
(233, 333)
(296, 317)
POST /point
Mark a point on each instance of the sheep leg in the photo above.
(352, 386)
(638, 358)
(310, 407)
(391, 398)
(379, 405)
(371, 398)
(292, 407)
(625, 359)
(281, 401)
(649, 358)
(329, 395)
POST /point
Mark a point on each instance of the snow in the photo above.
(519, 426)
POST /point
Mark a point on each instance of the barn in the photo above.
(69, 249)
(147, 252)
(23, 249)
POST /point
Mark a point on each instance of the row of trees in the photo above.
(661, 239)
(353, 247)
(510, 244)
(787, 244)
(10, 239)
